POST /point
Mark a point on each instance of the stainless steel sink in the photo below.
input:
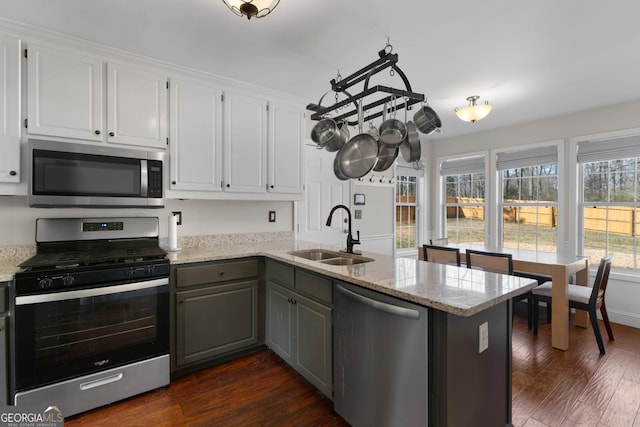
(316, 254)
(330, 257)
(346, 261)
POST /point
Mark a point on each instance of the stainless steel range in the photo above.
(91, 314)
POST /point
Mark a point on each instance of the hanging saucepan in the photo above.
(359, 154)
(325, 130)
(392, 131)
(410, 147)
(338, 140)
(426, 120)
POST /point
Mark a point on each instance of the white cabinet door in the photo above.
(136, 106)
(196, 136)
(9, 109)
(245, 143)
(286, 149)
(64, 94)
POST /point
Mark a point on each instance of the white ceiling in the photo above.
(530, 59)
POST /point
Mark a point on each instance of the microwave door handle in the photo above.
(144, 178)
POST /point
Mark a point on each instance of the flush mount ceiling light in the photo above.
(251, 8)
(473, 112)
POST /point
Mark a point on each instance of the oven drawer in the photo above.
(203, 274)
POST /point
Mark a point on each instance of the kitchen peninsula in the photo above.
(459, 301)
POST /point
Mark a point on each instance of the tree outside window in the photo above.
(465, 208)
(530, 207)
(406, 212)
(611, 211)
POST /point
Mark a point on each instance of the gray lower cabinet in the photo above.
(217, 310)
(298, 322)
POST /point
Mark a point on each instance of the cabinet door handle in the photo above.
(13, 173)
(173, 182)
(112, 134)
(97, 132)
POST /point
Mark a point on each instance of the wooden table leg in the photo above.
(559, 308)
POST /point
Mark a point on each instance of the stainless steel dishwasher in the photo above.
(381, 359)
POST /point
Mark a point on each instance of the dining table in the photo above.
(560, 268)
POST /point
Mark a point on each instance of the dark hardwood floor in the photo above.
(550, 388)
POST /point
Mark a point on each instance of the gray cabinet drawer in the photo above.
(317, 286)
(280, 273)
(214, 273)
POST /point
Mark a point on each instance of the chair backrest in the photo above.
(443, 241)
(494, 262)
(441, 254)
(600, 282)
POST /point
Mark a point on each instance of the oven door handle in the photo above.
(93, 292)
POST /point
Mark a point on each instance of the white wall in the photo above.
(200, 217)
(623, 296)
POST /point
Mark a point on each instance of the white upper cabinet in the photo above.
(245, 143)
(195, 140)
(137, 106)
(65, 97)
(64, 94)
(286, 149)
(9, 109)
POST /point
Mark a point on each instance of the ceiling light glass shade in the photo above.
(473, 112)
(251, 8)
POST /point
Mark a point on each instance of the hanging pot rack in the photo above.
(405, 97)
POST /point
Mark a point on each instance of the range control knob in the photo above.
(45, 283)
(149, 270)
(68, 280)
(131, 273)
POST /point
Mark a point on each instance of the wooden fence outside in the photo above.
(620, 219)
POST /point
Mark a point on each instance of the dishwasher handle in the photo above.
(381, 306)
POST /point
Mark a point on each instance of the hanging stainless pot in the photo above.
(359, 154)
(323, 132)
(426, 120)
(339, 139)
(337, 171)
(410, 147)
(392, 131)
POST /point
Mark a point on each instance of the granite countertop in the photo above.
(455, 290)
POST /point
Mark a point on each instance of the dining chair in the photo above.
(495, 262)
(585, 298)
(442, 241)
(441, 254)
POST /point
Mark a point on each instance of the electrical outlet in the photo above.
(483, 337)
(357, 214)
(179, 215)
(272, 216)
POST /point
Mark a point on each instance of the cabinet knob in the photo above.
(13, 173)
(221, 273)
(180, 301)
(112, 134)
(97, 132)
(173, 182)
(228, 185)
(271, 186)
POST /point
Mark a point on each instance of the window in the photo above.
(611, 200)
(464, 199)
(406, 211)
(529, 203)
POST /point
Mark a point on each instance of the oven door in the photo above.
(64, 335)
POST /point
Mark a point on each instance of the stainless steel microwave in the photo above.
(78, 175)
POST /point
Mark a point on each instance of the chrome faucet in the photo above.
(350, 239)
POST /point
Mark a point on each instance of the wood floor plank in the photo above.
(623, 406)
(583, 415)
